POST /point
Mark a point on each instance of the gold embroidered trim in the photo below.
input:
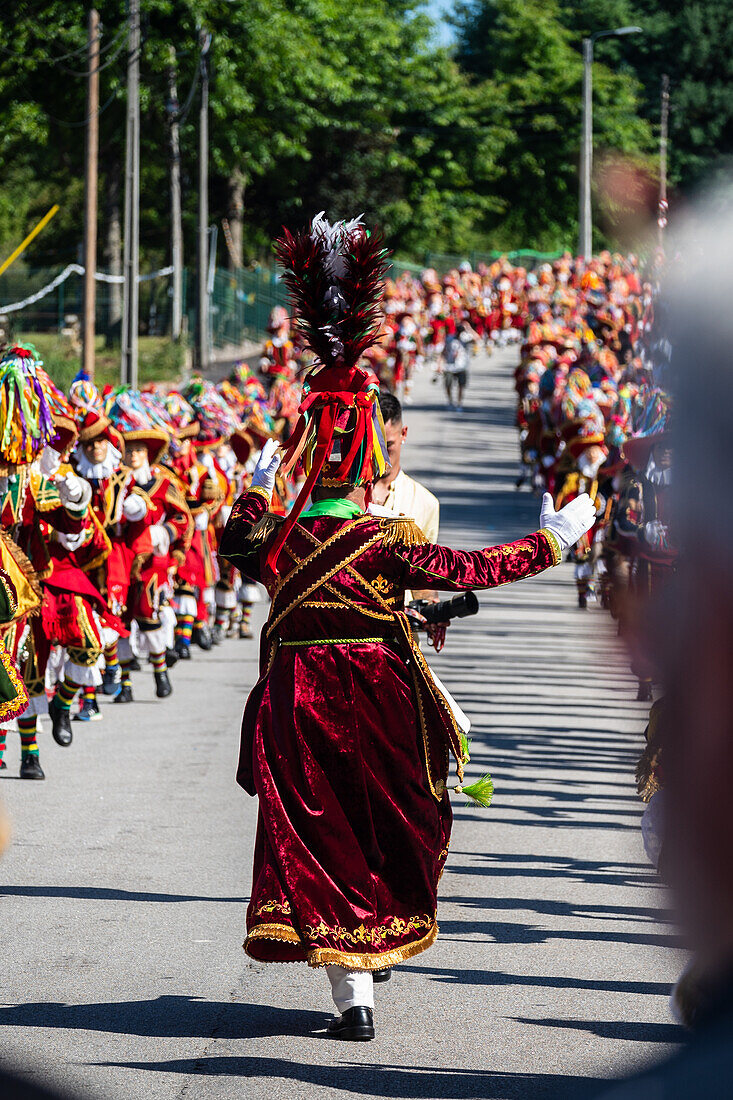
(397, 926)
(274, 907)
(402, 530)
(12, 708)
(323, 956)
(273, 932)
(264, 493)
(321, 580)
(9, 596)
(554, 544)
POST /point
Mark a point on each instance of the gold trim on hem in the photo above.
(281, 932)
(323, 956)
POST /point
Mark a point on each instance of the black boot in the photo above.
(183, 650)
(381, 975)
(355, 1026)
(202, 636)
(171, 657)
(162, 684)
(124, 695)
(30, 766)
(61, 723)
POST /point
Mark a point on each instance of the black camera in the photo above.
(459, 607)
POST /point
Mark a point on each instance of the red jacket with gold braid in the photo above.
(346, 736)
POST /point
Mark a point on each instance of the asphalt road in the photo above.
(122, 895)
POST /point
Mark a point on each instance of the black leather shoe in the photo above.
(202, 636)
(381, 975)
(355, 1026)
(171, 657)
(30, 766)
(134, 665)
(162, 685)
(217, 635)
(124, 695)
(60, 724)
(183, 651)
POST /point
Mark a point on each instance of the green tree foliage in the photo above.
(354, 107)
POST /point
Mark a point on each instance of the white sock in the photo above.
(350, 988)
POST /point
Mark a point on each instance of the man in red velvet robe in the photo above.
(346, 738)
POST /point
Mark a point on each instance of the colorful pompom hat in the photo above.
(26, 419)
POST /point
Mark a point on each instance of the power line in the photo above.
(84, 121)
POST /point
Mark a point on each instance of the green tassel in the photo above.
(465, 746)
(479, 793)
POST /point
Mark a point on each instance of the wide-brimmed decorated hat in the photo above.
(26, 420)
(651, 419)
(95, 425)
(133, 419)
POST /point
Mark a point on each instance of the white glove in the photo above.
(201, 520)
(50, 462)
(74, 491)
(267, 466)
(655, 534)
(134, 507)
(160, 539)
(570, 522)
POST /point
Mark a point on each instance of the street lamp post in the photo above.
(585, 213)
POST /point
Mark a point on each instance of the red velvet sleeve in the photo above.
(438, 567)
(235, 547)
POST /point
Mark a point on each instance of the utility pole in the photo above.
(585, 223)
(202, 327)
(131, 263)
(663, 130)
(91, 180)
(585, 212)
(175, 173)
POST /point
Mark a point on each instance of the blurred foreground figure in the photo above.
(346, 735)
(694, 641)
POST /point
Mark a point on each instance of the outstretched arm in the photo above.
(455, 570)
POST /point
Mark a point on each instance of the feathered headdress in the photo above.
(26, 423)
(335, 275)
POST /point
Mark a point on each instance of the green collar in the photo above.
(335, 506)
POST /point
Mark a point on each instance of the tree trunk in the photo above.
(235, 214)
(113, 255)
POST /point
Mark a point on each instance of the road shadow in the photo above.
(167, 1017)
(372, 1079)
(105, 893)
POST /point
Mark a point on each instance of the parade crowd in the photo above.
(114, 503)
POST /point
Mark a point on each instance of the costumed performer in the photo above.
(346, 737)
